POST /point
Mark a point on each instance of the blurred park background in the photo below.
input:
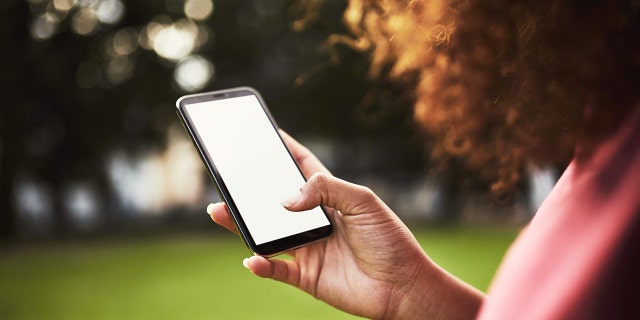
(102, 195)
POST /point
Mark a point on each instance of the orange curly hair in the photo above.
(501, 83)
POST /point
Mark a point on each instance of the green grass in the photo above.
(195, 277)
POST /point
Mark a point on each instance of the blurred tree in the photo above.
(74, 91)
(56, 131)
(12, 81)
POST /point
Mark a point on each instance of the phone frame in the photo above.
(270, 248)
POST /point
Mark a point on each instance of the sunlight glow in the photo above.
(153, 182)
(138, 183)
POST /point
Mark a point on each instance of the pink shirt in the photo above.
(579, 258)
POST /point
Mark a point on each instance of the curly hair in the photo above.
(502, 83)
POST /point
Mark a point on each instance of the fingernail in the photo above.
(292, 200)
(245, 262)
(210, 208)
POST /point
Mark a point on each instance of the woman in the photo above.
(500, 85)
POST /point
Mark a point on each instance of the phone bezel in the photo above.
(264, 249)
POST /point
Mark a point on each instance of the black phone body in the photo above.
(252, 168)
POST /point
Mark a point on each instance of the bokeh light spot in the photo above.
(64, 5)
(203, 35)
(175, 41)
(123, 43)
(88, 3)
(193, 73)
(44, 26)
(110, 11)
(84, 22)
(81, 201)
(198, 9)
(151, 30)
(120, 69)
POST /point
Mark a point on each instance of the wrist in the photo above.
(433, 293)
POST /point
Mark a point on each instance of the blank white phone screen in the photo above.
(254, 165)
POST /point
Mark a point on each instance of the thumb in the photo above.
(324, 189)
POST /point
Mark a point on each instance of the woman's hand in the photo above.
(371, 265)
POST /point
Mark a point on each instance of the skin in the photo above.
(371, 265)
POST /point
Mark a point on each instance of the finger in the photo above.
(326, 190)
(308, 162)
(286, 271)
(220, 214)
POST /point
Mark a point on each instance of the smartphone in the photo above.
(252, 168)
